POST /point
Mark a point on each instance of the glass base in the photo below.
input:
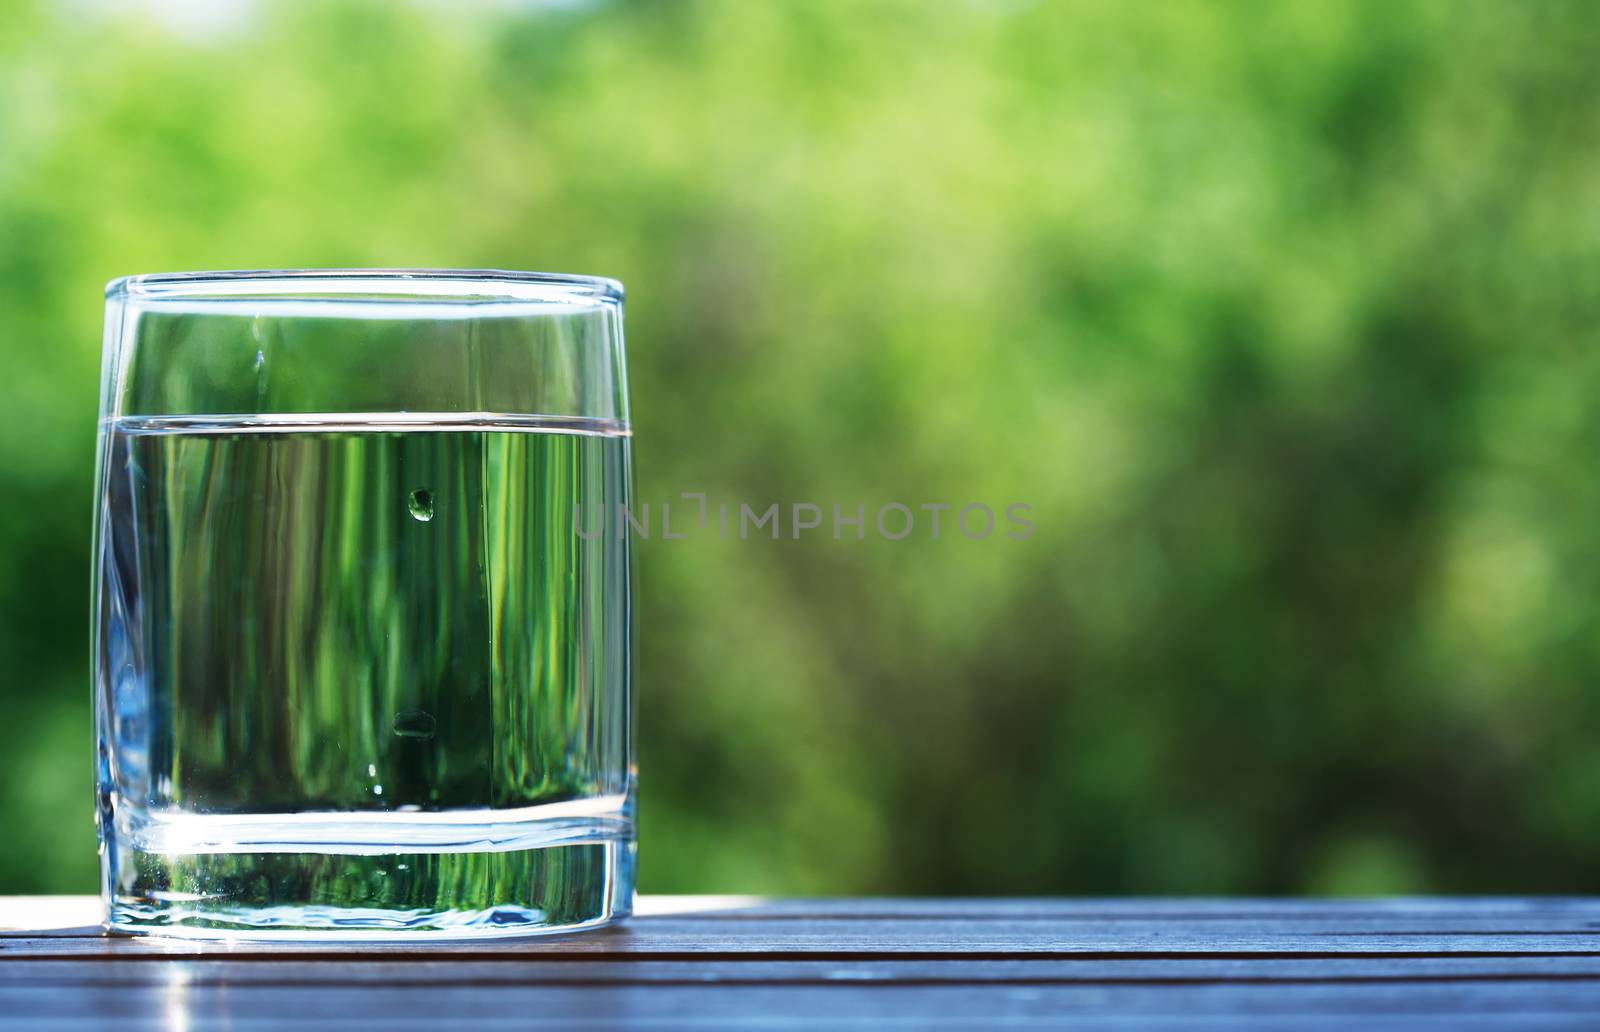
(456, 893)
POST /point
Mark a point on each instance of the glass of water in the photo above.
(356, 671)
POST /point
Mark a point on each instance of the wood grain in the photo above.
(694, 962)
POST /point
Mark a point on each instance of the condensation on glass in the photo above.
(356, 673)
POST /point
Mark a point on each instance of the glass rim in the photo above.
(392, 285)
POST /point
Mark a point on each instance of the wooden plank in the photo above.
(679, 926)
(68, 973)
(686, 938)
(268, 1006)
(843, 964)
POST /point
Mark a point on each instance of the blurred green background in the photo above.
(1282, 317)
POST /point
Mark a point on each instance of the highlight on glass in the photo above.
(356, 674)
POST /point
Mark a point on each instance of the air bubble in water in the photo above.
(421, 504)
(414, 723)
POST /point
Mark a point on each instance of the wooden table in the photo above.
(730, 962)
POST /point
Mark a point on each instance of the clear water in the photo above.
(358, 675)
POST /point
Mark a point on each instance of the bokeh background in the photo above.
(1281, 316)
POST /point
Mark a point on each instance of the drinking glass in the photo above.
(356, 673)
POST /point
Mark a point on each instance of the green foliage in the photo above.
(1282, 317)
